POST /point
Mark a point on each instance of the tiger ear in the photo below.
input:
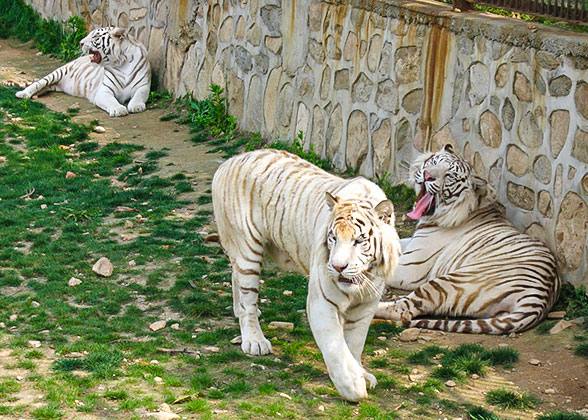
(385, 211)
(118, 33)
(331, 200)
(483, 189)
(448, 148)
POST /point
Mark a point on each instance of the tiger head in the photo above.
(105, 45)
(448, 188)
(360, 237)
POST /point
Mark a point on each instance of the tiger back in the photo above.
(114, 70)
(338, 232)
(469, 269)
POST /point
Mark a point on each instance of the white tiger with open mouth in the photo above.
(469, 269)
(114, 70)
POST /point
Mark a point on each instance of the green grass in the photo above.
(509, 399)
(581, 350)
(562, 415)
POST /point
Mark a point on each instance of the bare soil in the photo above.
(559, 369)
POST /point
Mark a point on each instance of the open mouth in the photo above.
(346, 280)
(96, 57)
(424, 206)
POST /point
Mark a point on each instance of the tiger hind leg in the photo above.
(41, 85)
(501, 324)
(245, 284)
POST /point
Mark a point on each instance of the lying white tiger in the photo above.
(465, 260)
(341, 232)
(116, 71)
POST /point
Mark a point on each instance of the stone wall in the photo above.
(372, 82)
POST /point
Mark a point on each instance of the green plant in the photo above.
(509, 399)
(581, 350)
(562, 415)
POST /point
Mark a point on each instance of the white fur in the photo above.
(274, 202)
(123, 74)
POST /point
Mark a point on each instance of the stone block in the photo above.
(558, 181)
(255, 105)
(271, 16)
(318, 131)
(374, 52)
(559, 123)
(226, 30)
(517, 161)
(362, 88)
(522, 87)
(334, 132)
(502, 75)
(571, 228)
(412, 101)
(542, 169)
(478, 83)
(387, 96)
(381, 145)
(254, 35)
(545, 203)
(274, 44)
(547, 60)
(357, 139)
(580, 150)
(560, 86)
(342, 79)
(325, 83)
(271, 98)
(490, 129)
(521, 196)
(581, 98)
(407, 64)
(529, 132)
(508, 114)
(351, 48)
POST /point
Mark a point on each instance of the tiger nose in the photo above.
(428, 176)
(340, 268)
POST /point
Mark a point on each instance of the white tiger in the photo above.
(339, 232)
(115, 71)
(465, 260)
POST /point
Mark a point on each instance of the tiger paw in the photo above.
(256, 347)
(351, 381)
(394, 311)
(22, 94)
(118, 111)
(370, 379)
(135, 107)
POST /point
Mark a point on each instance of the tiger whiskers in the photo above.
(368, 285)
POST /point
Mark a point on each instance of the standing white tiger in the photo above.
(116, 71)
(465, 260)
(339, 232)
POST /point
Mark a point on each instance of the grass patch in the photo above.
(581, 350)
(561, 415)
(508, 399)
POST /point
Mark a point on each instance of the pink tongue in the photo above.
(421, 207)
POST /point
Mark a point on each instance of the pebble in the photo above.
(175, 326)
(34, 344)
(549, 391)
(163, 415)
(578, 321)
(560, 326)
(321, 408)
(13, 317)
(129, 224)
(382, 338)
(556, 315)
(237, 340)
(2, 325)
(103, 267)
(70, 175)
(535, 362)
(74, 282)
(154, 362)
(283, 325)
(287, 293)
(475, 376)
(379, 352)
(281, 394)
(158, 380)
(99, 129)
(211, 349)
(450, 383)
(409, 334)
(19, 378)
(35, 304)
(132, 263)
(502, 345)
(43, 206)
(157, 325)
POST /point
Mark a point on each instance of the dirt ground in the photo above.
(560, 372)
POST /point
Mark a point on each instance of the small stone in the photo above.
(132, 263)
(129, 224)
(162, 415)
(409, 334)
(556, 315)
(103, 267)
(211, 349)
(13, 317)
(321, 408)
(568, 347)
(560, 326)
(503, 345)
(158, 380)
(35, 304)
(535, 362)
(237, 340)
(157, 325)
(287, 293)
(34, 344)
(578, 321)
(165, 407)
(19, 378)
(283, 325)
(74, 282)
(382, 338)
(450, 384)
(175, 326)
(475, 376)
(99, 129)
(69, 175)
(281, 394)
(379, 352)
(2, 325)
(43, 206)
(549, 391)
(154, 362)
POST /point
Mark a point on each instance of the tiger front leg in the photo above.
(105, 99)
(245, 293)
(139, 99)
(347, 374)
